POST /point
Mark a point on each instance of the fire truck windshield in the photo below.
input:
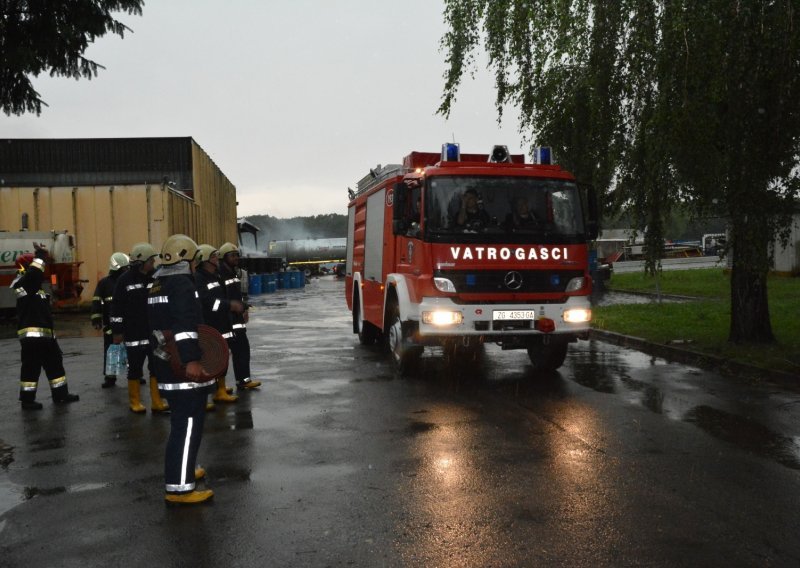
(503, 209)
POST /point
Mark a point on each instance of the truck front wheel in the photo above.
(405, 356)
(548, 356)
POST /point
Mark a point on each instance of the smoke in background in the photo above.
(328, 226)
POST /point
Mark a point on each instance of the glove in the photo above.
(41, 251)
(194, 370)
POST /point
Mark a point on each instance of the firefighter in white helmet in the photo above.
(101, 306)
(174, 313)
(239, 344)
(129, 324)
(217, 308)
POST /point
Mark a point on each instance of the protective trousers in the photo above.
(38, 353)
(188, 415)
(136, 357)
(240, 353)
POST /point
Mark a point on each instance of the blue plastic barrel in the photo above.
(301, 279)
(265, 283)
(254, 284)
(286, 281)
(293, 279)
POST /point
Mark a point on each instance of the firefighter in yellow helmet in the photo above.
(101, 306)
(239, 344)
(217, 308)
(129, 324)
(174, 311)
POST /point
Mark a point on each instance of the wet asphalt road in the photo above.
(619, 459)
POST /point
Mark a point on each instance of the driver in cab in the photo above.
(470, 215)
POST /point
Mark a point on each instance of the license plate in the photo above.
(513, 314)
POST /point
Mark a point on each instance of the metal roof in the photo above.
(26, 162)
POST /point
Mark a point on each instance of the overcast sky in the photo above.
(293, 100)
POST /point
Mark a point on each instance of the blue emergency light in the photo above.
(543, 155)
(451, 152)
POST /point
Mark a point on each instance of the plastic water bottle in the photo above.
(122, 363)
(112, 360)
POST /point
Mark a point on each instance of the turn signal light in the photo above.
(545, 325)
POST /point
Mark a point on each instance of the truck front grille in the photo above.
(503, 281)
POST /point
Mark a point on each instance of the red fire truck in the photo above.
(456, 250)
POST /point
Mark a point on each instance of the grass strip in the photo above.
(704, 323)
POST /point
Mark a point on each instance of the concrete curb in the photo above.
(702, 360)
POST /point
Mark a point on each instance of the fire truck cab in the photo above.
(456, 250)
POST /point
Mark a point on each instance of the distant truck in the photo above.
(62, 280)
(455, 250)
(714, 244)
(309, 255)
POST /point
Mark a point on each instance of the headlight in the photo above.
(444, 284)
(577, 315)
(442, 317)
(576, 284)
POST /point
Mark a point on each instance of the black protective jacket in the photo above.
(233, 287)
(103, 295)
(34, 316)
(129, 307)
(214, 299)
(173, 305)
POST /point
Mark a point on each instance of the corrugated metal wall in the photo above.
(109, 218)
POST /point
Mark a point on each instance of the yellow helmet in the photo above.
(142, 252)
(205, 252)
(118, 260)
(177, 248)
(228, 248)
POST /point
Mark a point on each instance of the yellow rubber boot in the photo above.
(249, 385)
(222, 394)
(157, 404)
(134, 397)
(191, 498)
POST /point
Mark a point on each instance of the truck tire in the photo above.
(368, 334)
(548, 357)
(405, 356)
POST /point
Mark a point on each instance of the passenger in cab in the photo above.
(521, 217)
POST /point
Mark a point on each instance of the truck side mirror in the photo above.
(592, 214)
(399, 223)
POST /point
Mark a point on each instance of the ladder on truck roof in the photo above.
(378, 175)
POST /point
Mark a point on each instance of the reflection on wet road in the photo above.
(617, 459)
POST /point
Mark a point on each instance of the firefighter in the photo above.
(174, 311)
(239, 344)
(39, 348)
(129, 324)
(217, 308)
(101, 306)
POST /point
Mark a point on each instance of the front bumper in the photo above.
(477, 319)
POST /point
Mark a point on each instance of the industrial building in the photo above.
(110, 193)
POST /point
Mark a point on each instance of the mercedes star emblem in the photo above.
(513, 280)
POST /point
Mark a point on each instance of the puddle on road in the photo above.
(612, 371)
(48, 444)
(746, 434)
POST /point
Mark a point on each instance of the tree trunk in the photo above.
(750, 321)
